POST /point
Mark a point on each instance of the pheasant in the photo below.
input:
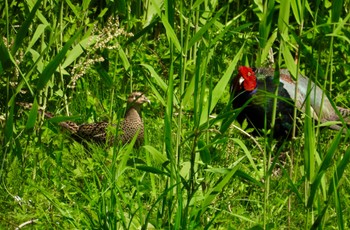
(253, 90)
(96, 132)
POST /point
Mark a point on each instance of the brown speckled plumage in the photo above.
(96, 132)
(130, 125)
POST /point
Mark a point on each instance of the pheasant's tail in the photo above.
(69, 125)
(345, 113)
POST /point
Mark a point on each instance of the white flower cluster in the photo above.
(104, 39)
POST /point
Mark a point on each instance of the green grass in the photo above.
(197, 169)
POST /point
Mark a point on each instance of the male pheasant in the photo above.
(253, 90)
(96, 132)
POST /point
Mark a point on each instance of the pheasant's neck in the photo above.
(133, 113)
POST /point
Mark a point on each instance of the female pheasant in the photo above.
(96, 132)
(131, 124)
(253, 90)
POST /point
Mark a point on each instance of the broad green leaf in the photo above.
(245, 176)
(204, 152)
(23, 31)
(205, 28)
(310, 141)
(125, 156)
(157, 6)
(215, 191)
(159, 96)
(73, 7)
(156, 77)
(197, 3)
(289, 60)
(326, 163)
(341, 37)
(342, 164)
(266, 21)
(152, 10)
(283, 19)
(337, 8)
(78, 50)
(259, 4)
(124, 58)
(151, 169)
(72, 55)
(5, 56)
(86, 4)
(58, 119)
(247, 153)
(338, 206)
(32, 115)
(298, 10)
(37, 59)
(341, 25)
(220, 86)
(268, 46)
(171, 33)
(107, 80)
(157, 155)
(31, 4)
(52, 66)
(38, 32)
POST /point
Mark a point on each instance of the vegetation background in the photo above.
(198, 168)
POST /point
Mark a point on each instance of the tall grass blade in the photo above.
(339, 172)
(265, 25)
(338, 206)
(218, 188)
(337, 8)
(283, 18)
(326, 163)
(5, 56)
(8, 129)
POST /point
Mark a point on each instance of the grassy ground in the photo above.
(197, 170)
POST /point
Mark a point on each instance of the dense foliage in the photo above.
(198, 168)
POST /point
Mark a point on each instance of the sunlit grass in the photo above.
(198, 169)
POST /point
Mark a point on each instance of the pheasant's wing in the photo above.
(95, 131)
(321, 107)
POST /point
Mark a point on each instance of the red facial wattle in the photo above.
(249, 82)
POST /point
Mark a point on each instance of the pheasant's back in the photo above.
(92, 132)
(321, 107)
